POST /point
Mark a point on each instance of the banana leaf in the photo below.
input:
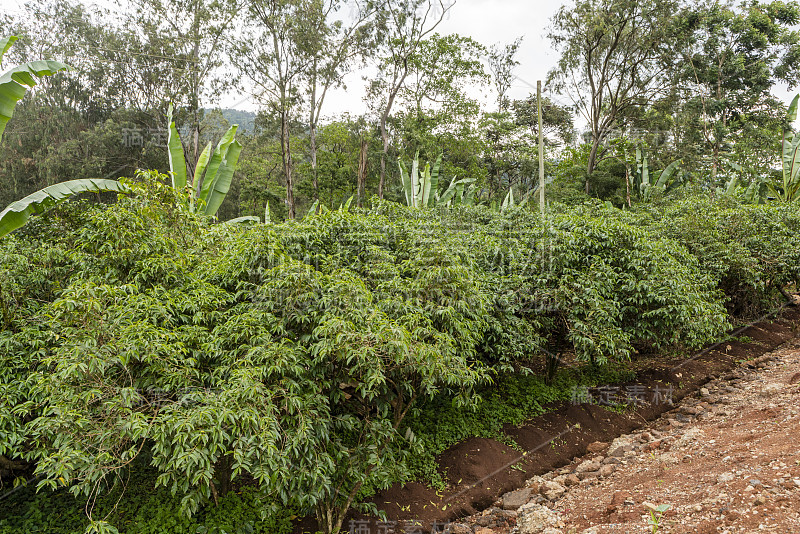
(313, 209)
(430, 200)
(406, 181)
(177, 163)
(202, 162)
(17, 213)
(451, 191)
(415, 181)
(221, 181)
(247, 219)
(5, 44)
(790, 149)
(13, 81)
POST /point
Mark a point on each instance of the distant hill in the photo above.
(245, 119)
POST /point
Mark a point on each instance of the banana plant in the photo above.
(17, 213)
(213, 172)
(669, 178)
(13, 82)
(422, 188)
(418, 186)
(790, 158)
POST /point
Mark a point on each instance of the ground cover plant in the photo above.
(305, 360)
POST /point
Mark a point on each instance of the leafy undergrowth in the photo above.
(141, 509)
(514, 399)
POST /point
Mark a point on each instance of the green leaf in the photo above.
(406, 181)
(221, 183)
(202, 162)
(434, 181)
(13, 82)
(220, 154)
(177, 163)
(313, 209)
(18, 213)
(247, 219)
(415, 189)
(5, 44)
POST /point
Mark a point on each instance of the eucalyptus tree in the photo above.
(275, 53)
(435, 95)
(190, 37)
(502, 61)
(614, 58)
(335, 47)
(404, 25)
(732, 57)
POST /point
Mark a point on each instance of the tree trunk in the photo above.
(628, 184)
(362, 171)
(312, 126)
(223, 472)
(383, 160)
(313, 147)
(592, 160)
(286, 156)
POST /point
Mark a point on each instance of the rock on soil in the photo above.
(724, 460)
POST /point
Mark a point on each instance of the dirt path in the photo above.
(726, 460)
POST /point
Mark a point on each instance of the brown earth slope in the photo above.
(711, 458)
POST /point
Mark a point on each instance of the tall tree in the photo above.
(335, 47)
(502, 61)
(731, 60)
(191, 35)
(613, 60)
(274, 55)
(404, 25)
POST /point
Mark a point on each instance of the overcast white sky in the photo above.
(488, 22)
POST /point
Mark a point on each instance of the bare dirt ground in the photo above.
(733, 468)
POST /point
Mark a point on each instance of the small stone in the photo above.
(535, 518)
(724, 478)
(588, 475)
(606, 470)
(552, 490)
(596, 446)
(754, 482)
(484, 530)
(650, 507)
(588, 465)
(704, 392)
(611, 461)
(619, 452)
(698, 507)
(760, 500)
(458, 528)
(647, 436)
(571, 480)
(514, 499)
(653, 445)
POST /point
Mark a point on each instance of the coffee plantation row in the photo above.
(297, 368)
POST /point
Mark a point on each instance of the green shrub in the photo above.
(291, 355)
